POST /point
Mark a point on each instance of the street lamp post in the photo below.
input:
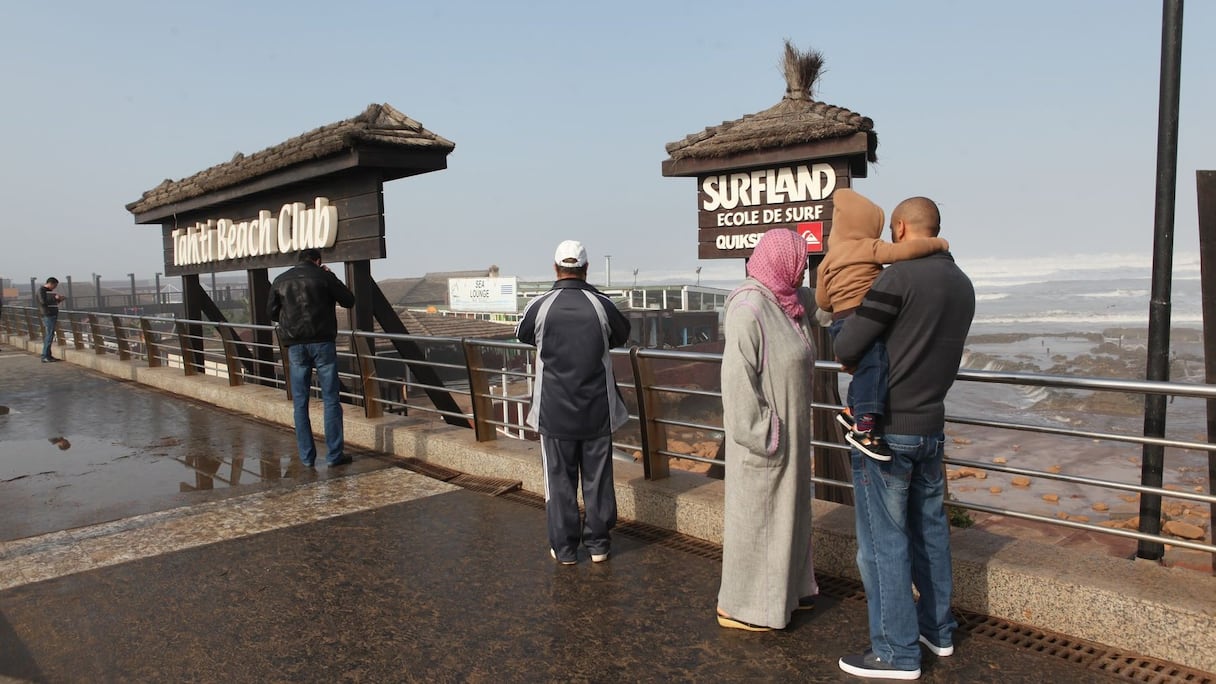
(158, 275)
(97, 290)
(607, 271)
(134, 300)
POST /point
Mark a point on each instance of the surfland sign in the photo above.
(737, 207)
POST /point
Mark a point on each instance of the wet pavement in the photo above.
(77, 448)
(365, 574)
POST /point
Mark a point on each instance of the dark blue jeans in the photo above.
(322, 356)
(903, 539)
(868, 389)
(48, 324)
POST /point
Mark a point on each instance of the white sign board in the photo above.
(495, 295)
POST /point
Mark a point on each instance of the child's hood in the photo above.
(854, 217)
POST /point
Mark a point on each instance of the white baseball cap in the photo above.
(570, 254)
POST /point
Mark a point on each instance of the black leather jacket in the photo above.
(302, 302)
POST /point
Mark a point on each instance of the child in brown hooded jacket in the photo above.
(854, 259)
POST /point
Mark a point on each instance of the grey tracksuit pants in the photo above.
(564, 460)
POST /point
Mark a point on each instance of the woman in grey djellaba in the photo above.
(767, 365)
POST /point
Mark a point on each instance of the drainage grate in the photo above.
(486, 485)
(435, 472)
(1138, 669)
(1020, 636)
(1088, 654)
(1091, 655)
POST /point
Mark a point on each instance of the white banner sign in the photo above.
(495, 295)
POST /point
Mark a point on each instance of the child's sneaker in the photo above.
(845, 418)
(871, 445)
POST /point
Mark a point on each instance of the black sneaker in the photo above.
(872, 667)
(845, 418)
(871, 445)
(342, 460)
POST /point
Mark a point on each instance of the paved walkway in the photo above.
(374, 573)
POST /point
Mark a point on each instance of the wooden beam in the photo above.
(412, 353)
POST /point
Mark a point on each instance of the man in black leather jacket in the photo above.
(302, 302)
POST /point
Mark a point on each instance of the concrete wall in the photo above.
(1138, 606)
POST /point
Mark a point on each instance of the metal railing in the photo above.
(491, 384)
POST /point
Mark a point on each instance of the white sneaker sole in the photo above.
(904, 675)
(937, 650)
(862, 448)
(553, 554)
(843, 421)
(599, 557)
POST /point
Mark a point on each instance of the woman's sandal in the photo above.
(731, 623)
(806, 603)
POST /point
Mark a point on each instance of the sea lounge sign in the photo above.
(296, 226)
(737, 207)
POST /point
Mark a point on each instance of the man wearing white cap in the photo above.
(575, 403)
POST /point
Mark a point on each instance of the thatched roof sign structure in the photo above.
(320, 189)
(775, 168)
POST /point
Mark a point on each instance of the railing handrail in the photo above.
(115, 338)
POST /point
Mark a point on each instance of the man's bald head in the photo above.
(919, 216)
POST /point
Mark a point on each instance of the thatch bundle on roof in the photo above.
(797, 119)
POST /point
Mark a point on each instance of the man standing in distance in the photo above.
(302, 302)
(48, 306)
(922, 308)
(575, 403)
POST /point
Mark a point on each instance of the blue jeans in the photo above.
(868, 389)
(48, 324)
(324, 358)
(903, 539)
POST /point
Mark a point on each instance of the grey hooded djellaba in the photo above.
(767, 370)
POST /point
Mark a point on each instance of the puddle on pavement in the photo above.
(44, 487)
(162, 467)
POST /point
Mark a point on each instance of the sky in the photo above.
(1033, 124)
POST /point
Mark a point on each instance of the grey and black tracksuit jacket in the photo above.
(575, 396)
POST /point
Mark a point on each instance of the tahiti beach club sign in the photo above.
(297, 227)
(322, 189)
(774, 169)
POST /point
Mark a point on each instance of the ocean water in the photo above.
(1088, 293)
(1079, 315)
(1074, 316)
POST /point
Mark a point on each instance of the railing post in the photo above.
(31, 327)
(654, 435)
(285, 361)
(99, 345)
(77, 338)
(183, 341)
(372, 408)
(479, 390)
(236, 374)
(150, 342)
(120, 338)
(60, 338)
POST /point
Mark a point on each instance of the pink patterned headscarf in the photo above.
(778, 261)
